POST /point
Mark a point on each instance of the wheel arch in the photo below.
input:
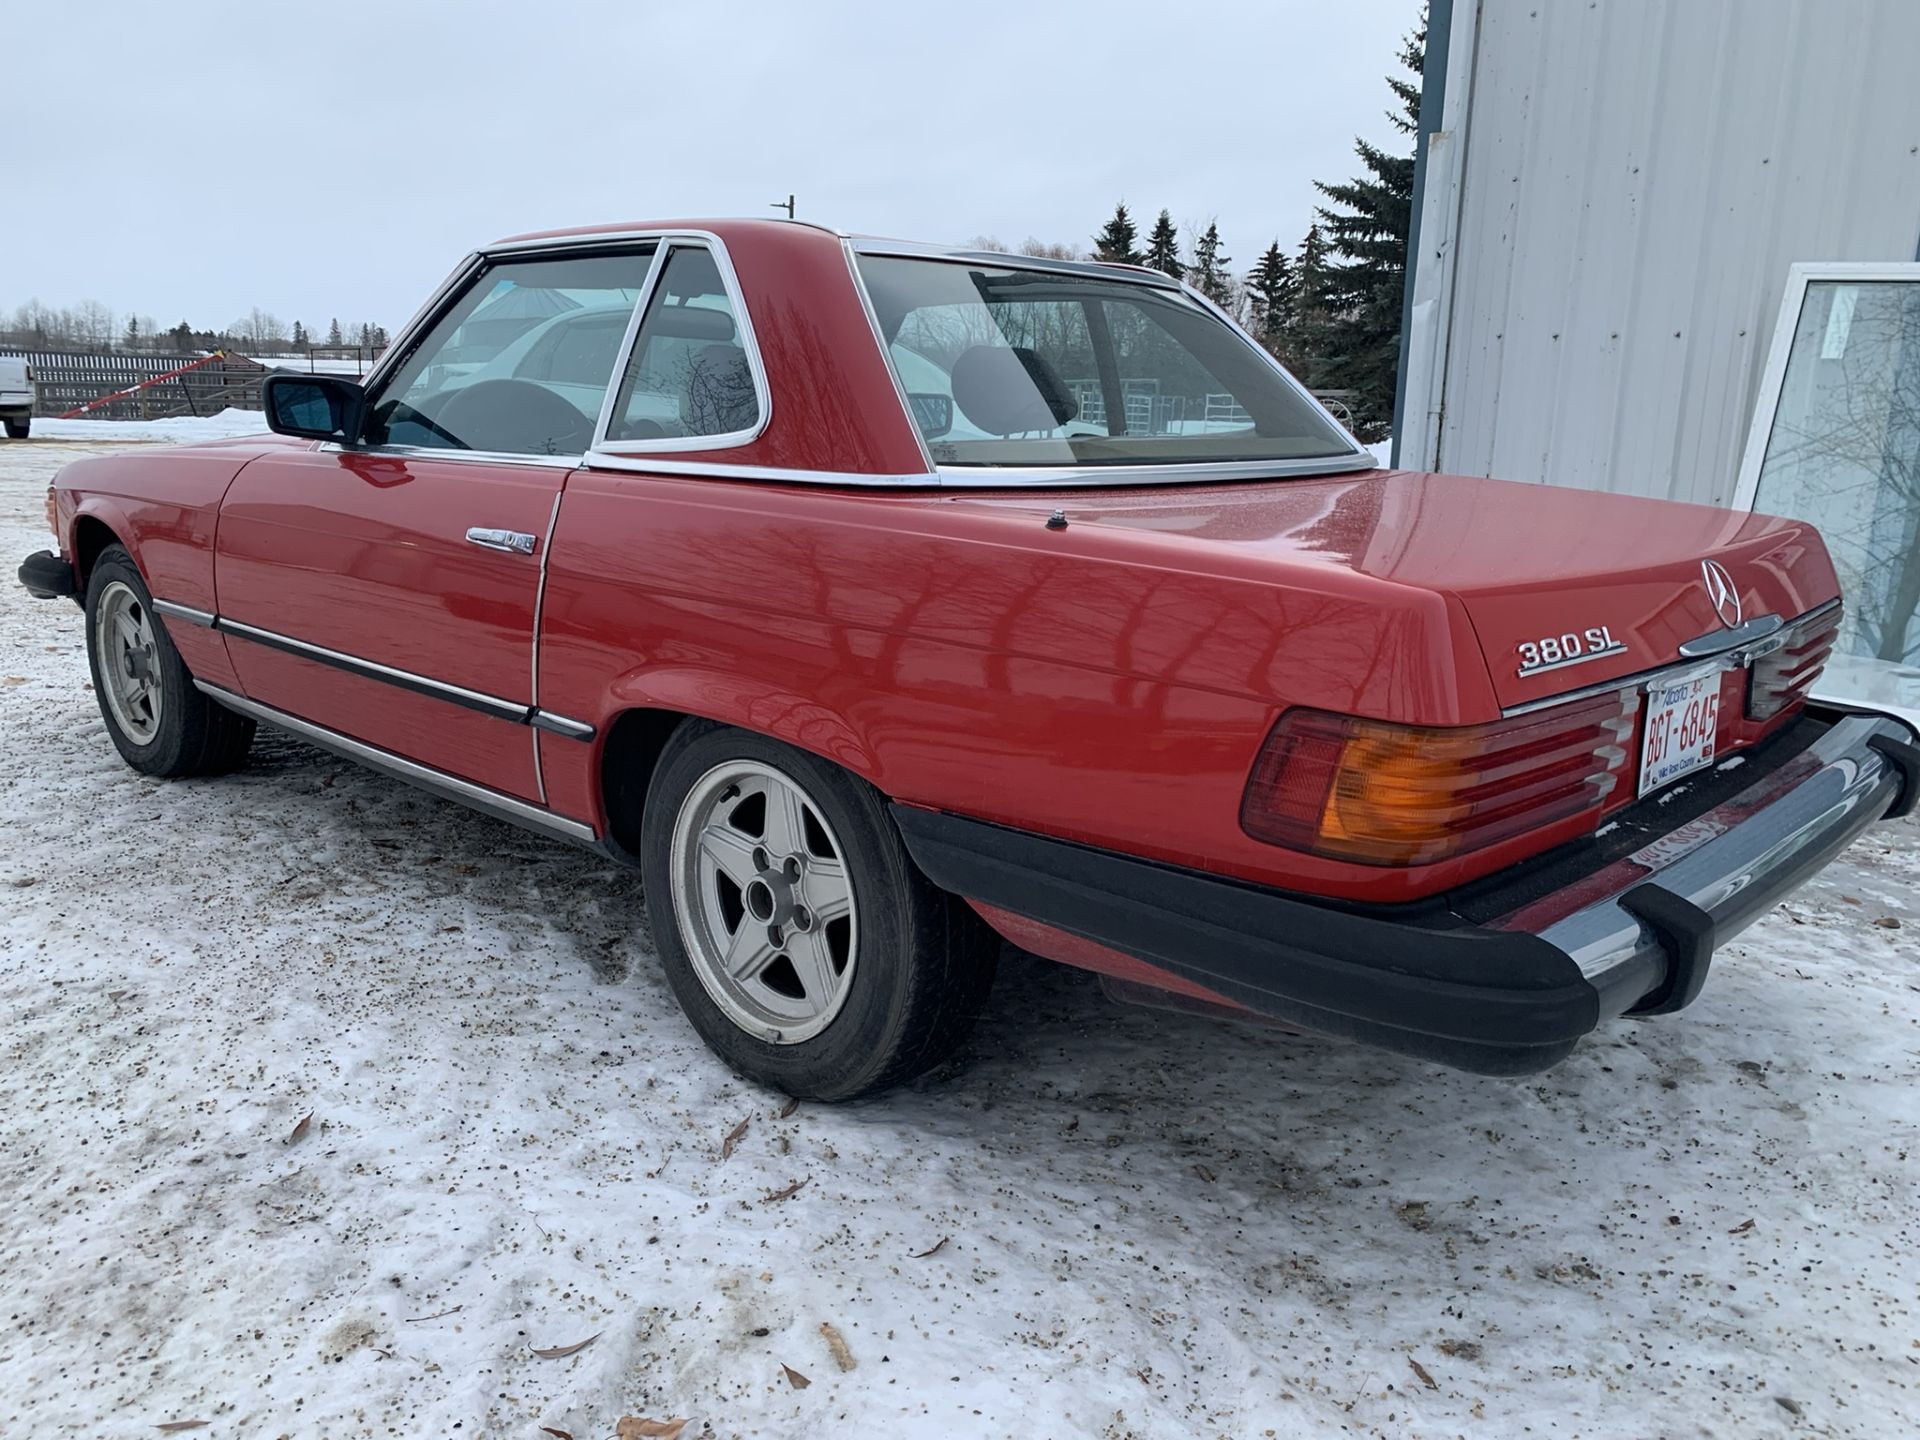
(93, 533)
(646, 710)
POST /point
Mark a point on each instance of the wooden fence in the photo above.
(66, 380)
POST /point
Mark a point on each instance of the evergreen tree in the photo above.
(378, 337)
(1269, 291)
(1209, 273)
(182, 336)
(132, 337)
(1117, 238)
(1309, 317)
(1163, 247)
(1366, 229)
(333, 334)
(300, 339)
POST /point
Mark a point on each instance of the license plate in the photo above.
(1683, 723)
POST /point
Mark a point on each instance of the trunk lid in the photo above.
(1532, 565)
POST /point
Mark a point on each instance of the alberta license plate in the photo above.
(1683, 721)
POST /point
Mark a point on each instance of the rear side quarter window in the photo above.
(691, 375)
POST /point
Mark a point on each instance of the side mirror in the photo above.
(932, 412)
(314, 407)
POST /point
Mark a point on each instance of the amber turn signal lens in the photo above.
(53, 516)
(1409, 795)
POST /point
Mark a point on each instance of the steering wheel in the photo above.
(516, 417)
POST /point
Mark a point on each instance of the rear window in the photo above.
(1005, 366)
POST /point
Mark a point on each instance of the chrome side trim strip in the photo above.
(560, 725)
(173, 610)
(491, 802)
(494, 705)
(404, 679)
(1079, 477)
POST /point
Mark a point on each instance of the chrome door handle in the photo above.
(514, 542)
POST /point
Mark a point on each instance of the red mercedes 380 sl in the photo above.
(872, 598)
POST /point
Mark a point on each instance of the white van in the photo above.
(16, 396)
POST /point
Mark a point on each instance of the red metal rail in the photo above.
(98, 401)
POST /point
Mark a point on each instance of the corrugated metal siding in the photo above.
(1637, 177)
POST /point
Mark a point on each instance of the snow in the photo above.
(181, 429)
(1139, 1224)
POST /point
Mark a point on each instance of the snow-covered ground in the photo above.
(325, 1107)
(181, 429)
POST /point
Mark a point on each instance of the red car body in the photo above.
(1106, 683)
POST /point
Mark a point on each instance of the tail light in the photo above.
(1404, 795)
(1781, 679)
(29, 370)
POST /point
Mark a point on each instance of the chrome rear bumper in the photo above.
(1643, 929)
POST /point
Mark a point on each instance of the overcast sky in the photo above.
(335, 159)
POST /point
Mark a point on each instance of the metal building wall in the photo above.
(1609, 206)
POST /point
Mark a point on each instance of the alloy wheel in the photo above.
(129, 655)
(764, 902)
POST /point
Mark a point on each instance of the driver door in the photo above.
(388, 591)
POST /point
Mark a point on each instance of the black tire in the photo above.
(923, 961)
(192, 735)
(17, 429)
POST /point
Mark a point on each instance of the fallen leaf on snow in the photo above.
(1887, 922)
(184, 1424)
(933, 1249)
(557, 1434)
(16, 679)
(633, 1427)
(795, 1378)
(837, 1343)
(1204, 1173)
(787, 1194)
(1741, 1228)
(788, 1108)
(733, 1137)
(1792, 1407)
(1421, 1370)
(560, 1352)
(300, 1129)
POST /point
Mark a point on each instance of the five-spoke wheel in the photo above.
(764, 902)
(129, 661)
(797, 934)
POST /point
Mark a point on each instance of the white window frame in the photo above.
(1766, 403)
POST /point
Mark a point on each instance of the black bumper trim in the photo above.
(1415, 981)
(1906, 759)
(49, 576)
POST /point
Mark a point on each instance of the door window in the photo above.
(689, 376)
(520, 363)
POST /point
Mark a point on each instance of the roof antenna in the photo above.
(786, 205)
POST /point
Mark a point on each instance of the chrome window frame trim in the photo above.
(764, 474)
(493, 802)
(749, 345)
(494, 705)
(880, 343)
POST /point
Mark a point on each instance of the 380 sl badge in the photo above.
(1556, 652)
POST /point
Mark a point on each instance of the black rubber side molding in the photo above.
(1416, 981)
(49, 576)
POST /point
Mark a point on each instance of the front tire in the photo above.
(17, 429)
(158, 721)
(806, 948)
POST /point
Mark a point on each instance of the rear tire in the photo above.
(803, 944)
(158, 721)
(17, 429)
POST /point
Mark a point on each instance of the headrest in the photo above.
(690, 322)
(1005, 390)
(719, 396)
